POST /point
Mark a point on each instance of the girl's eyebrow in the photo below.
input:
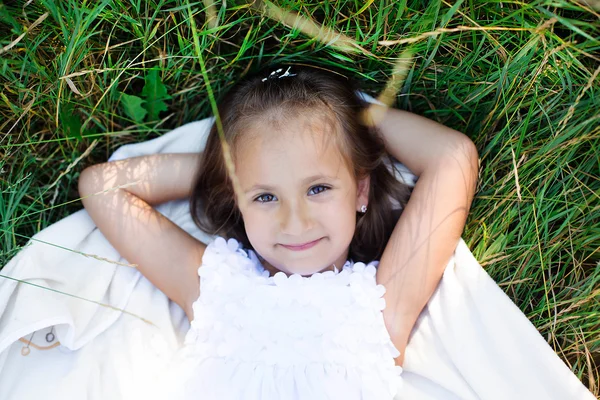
(305, 181)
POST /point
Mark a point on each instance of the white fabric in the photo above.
(256, 336)
(470, 342)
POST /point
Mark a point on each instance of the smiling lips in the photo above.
(302, 246)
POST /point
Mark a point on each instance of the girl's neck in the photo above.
(272, 270)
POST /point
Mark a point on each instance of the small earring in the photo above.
(363, 209)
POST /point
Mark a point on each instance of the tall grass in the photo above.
(519, 78)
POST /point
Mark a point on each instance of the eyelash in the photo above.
(267, 194)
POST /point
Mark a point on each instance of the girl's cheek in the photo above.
(263, 217)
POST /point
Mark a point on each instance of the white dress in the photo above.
(292, 338)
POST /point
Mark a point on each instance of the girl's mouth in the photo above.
(302, 246)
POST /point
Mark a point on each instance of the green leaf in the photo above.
(155, 92)
(133, 107)
(70, 121)
(341, 57)
(495, 248)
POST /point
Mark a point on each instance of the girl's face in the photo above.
(297, 189)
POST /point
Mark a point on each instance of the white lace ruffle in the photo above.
(263, 337)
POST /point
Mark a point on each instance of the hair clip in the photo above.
(286, 73)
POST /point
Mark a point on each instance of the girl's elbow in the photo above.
(86, 184)
(82, 183)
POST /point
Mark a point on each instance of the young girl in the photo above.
(314, 281)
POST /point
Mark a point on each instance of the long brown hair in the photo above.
(213, 203)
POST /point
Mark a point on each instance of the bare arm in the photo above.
(156, 178)
(418, 142)
(433, 220)
(119, 195)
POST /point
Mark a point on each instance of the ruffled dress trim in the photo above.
(260, 337)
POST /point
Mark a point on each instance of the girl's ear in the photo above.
(362, 193)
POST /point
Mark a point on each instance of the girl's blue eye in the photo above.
(261, 198)
(325, 188)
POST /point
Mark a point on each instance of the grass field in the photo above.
(81, 78)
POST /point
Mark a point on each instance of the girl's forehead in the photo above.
(298, 147)
(316, 135)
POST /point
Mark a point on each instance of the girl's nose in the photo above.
(295, 219)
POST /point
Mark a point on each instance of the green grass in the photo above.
(527, 97)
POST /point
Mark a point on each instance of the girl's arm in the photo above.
(431, 225)
(119, 195)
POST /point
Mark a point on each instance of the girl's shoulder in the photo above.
(229, 256)
(221, 245)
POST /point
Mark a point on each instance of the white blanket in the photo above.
(470, 342)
